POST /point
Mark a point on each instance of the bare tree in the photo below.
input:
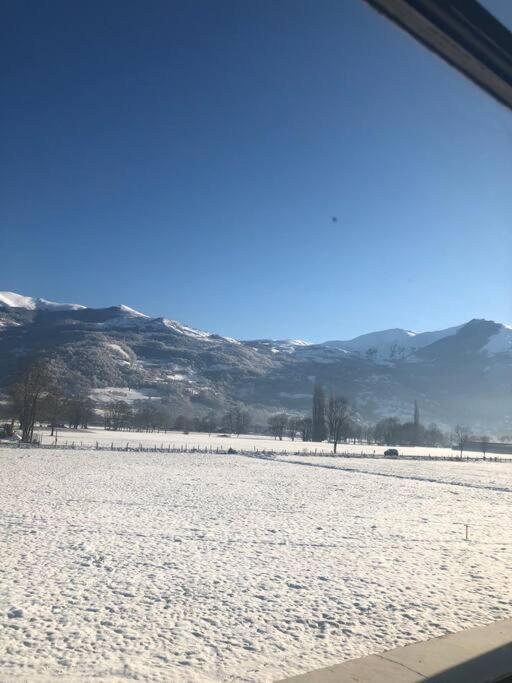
(67, 399)
(338, 416)
(183, 423)
(241, 420)
(79, 410)
(461, 437)
(356, 431)
(210, 423)
(30, 386)
(387, 431)
(368, 433)
(294, 425)
(118, 415)
(227, 422)
(53, 407)
(434, 436)
(237, 420)
(277, 424)
(306, 428)
(485, 441)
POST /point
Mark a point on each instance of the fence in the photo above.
(131, 447)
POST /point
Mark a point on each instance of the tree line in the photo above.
(155, 415)
(333, 419)
(45, 390)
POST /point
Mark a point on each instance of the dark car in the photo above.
(391, 452)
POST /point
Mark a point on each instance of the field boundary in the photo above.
(133, 447)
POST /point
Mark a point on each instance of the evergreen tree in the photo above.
(416, 414)
(417, 426)
(319, 426)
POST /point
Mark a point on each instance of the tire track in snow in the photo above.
(410, 477)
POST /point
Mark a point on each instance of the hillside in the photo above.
(461, 374)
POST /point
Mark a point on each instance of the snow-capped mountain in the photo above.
(13, 300)
(278, 345)
(132, 312)
(391, 345)
(500, 341)
(460, 374)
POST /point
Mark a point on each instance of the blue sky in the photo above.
(186, 159)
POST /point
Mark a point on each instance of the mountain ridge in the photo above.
(460, 374)
(405, 338)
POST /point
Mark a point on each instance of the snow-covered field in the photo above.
(200, 567)
(251, 442)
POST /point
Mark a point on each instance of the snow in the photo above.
(204, 568)
(9, 323)
(290, 394)
(287, 345)
(19, 301)
(132, 311)
(297, 342)
(186, 331)
(106, 395)
(119, 350)
(278, 345)
(193, 332)
(391, 344)
(480, 475)
(177, 377)
(319, 353)
(245, 442)
(129, 321)
(501, 342)
(231, 340)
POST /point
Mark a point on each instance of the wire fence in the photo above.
(155, 447)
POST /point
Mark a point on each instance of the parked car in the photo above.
(6, 430)
(391, 452)
(11, 438)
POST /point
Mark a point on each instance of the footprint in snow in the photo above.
(14, 613)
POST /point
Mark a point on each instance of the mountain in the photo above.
(13, 300)
(460, 374)
(391, 345)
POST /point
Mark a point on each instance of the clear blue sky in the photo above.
(186, 158)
